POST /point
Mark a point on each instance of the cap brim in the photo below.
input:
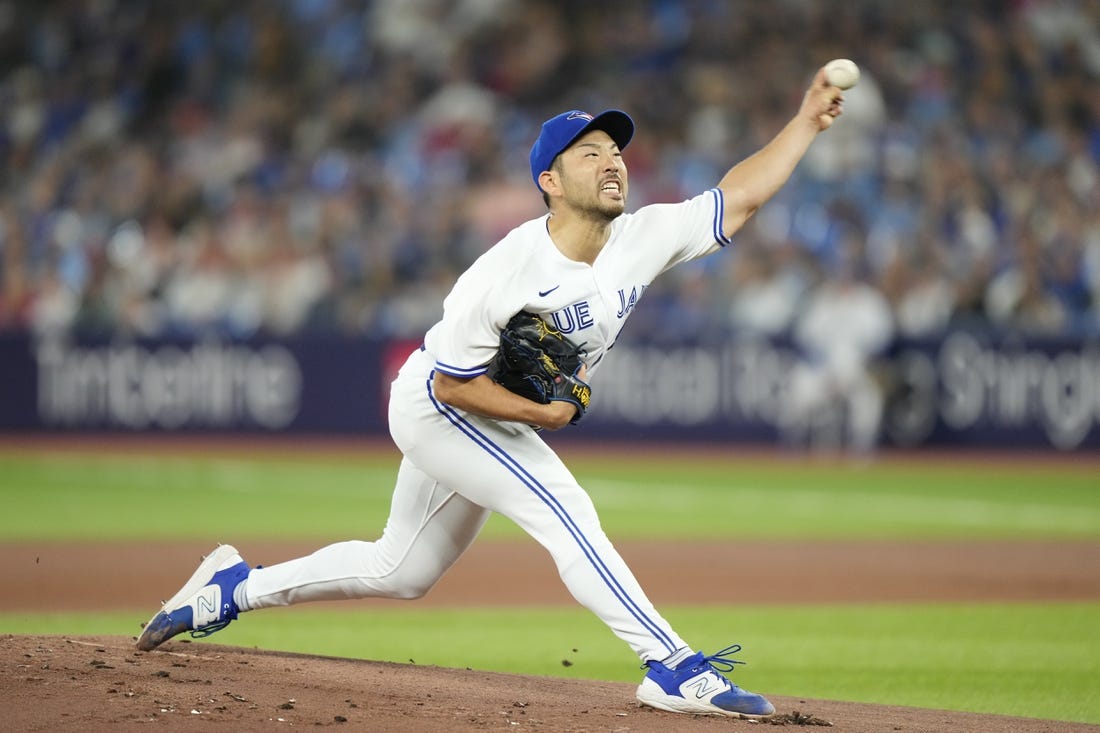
(553, 140)
(615, 123)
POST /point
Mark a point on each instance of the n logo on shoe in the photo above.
(703, 686)
(207, 603)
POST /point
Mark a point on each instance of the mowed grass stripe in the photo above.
(892, 509)
(63, 495)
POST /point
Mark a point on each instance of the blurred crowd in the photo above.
(329, 166)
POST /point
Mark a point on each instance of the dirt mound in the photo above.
(104, 683)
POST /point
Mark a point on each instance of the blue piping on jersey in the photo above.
(454, 371)
(719, 216)
(547, 498)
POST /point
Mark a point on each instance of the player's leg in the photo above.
(429, 527)
(513, 472)
(558, 513)
(507, 468)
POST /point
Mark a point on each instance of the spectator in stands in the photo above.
(212, 126)
(837, 387)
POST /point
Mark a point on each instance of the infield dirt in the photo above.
(102, 683)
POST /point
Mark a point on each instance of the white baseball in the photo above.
(842, 73)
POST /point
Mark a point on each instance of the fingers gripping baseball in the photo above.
(823, 102)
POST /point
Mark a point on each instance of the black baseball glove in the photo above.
(535, 361)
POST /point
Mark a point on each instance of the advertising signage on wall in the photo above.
(306, 385)
(167, 386)
(965, 389)
(968, 389)
(965, 385)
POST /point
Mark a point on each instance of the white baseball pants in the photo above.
(456, 469)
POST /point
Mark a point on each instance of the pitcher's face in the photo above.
(593, 175)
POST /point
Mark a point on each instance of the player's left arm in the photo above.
(753, 181)
(482, 396)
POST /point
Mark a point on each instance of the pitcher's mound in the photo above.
(49, 683)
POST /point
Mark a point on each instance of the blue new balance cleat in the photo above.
(697, 687)
(204, 604)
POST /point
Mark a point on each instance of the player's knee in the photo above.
(409, 593)
(406, 586)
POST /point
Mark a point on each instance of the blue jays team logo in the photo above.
(578, 115)
(578, 316)
(575, 317)
(627, 302)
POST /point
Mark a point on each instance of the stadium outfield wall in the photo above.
(975, 390)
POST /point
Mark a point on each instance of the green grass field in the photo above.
(1035, 660)
(89, 495)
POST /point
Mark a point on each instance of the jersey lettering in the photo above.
(584, 317)
(627, 302)
(575, 317)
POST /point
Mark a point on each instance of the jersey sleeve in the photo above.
(686, 230)
(465, 340)
(482, 300)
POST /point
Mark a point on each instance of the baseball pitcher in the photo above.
(517, 351)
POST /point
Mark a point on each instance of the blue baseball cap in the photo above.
(558, 133)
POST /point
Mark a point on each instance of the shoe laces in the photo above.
(721, 660)
(210, 629)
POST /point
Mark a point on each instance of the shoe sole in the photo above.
(153, 634)
(683, 705)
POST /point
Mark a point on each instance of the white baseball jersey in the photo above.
(588, 304)
(458, 467)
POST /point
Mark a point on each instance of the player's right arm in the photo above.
(482, 396)
(750, 183)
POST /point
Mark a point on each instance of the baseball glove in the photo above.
(535, 361)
